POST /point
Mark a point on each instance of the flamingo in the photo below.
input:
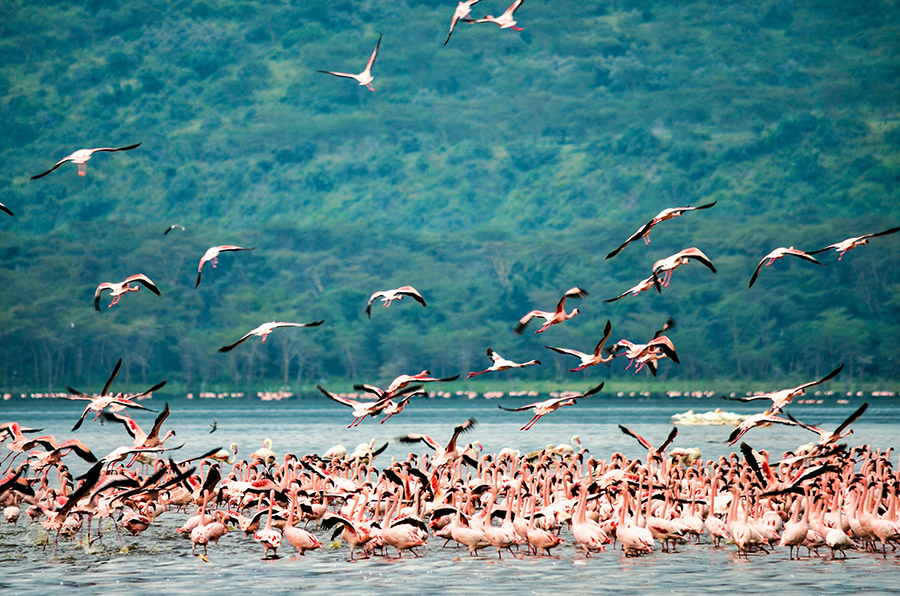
(141, 438)
(81, 158)
(212, 255)
(299, 538)
(265, 329)
(462, 12)
(640, 287)
(669, 264)
(649, 353)
(360, 409)
(782, 398)
(596, 357)
(226, 456)
(120, 289)
(826, 437)
(6, 210)
(501, 363)
(442, 455)
(762, 419)
(652, 453)
(104, 400)
(403, 381)
(664, 215)
(552, 318)
(848, 244)
(542, 408)
(365, 77)
(388, 296)
(777, 254)
(268, 536)
(504, 21)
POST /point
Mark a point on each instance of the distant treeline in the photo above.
(492, 174)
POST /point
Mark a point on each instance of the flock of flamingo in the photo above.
(822, 497)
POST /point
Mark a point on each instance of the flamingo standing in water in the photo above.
(501, 363)
(365, 77)
(265, 329)
(462, 12)
(268, 536)
(849, 244)
(664, 215)
(212, 255)
(542, 408)
(552, 318)
(596, 357)
(388, 296)
(117, 290)
(81, 158)
(777, 254)
(504, 21)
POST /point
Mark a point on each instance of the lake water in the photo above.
(159, 561)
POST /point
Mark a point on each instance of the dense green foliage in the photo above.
(492, 174)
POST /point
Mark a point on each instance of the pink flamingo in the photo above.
(365, 77)
(777, 254)
(264, 330)
(462, 12)
(501, 363)
(829, 437)
(669, 264)
(634, 291)
(504, 21)
(299, 538)
(104, 400)
(388, 296)
(141, 438)
(81, 158)
(552, 318)
(212, 255)
(268, 536)
(542, 408)
(442, 455)
(596, 357)
(850, 243)
(664, 215)
(120, 289)
(782, 398)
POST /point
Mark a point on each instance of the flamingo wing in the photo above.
(756, 273)
(112, 377)
(80, 450)
(640, 232)
(805, 256)
(345, 75)
(607, 331)
(570, 293)
(5, 209)
(672, 434)
(827, 377)
(412, 293)
(374, 54)
(237, 343)
(592, 391)
(639, 438)
(59, 163)
(523, 322)
(567, 352)
(372, 299)
(145, 281)
(416, 438)
(852, 418)
(341, 400)
(98, 291)
(108, 149)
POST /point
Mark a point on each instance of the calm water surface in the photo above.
(159, 561)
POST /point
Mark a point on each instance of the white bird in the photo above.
(120, 289)
(777, 254)
(504, 21)
(848, 244)
(501, 363)
(664, 215)
(81, 158)
(264, 330)
(596, 357)
(212, 255)
(634, 291)
(669, 264)
(388, 296)
(462, 12)
(365, 77)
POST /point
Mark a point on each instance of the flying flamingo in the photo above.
(265, 329)
(81, 158)
(761, 419)
(212, 255)
(504, 21)
(462, 12)
(782, 398)
(360, 409)
(848, 244)
(120, 289)
(442, 455)
(141, 438)
(588, 359)
(640, 287)
(501, 363)
(826, 437)
(664, 215)
(365, 77)
(652, 452)
(403, 381)
(5, 209)
(388, 296)
(777, 254)
(542, 408)
(656, 349)
(669, 264)
(552, 318)
(104, 400)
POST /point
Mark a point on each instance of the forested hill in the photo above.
(492, 174)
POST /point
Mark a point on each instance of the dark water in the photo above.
(159, 561)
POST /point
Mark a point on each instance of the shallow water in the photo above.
(159, 561)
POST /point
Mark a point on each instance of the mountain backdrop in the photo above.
(492, 174)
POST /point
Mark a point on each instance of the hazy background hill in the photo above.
(492, 174)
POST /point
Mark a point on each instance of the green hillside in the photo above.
(492, 174)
